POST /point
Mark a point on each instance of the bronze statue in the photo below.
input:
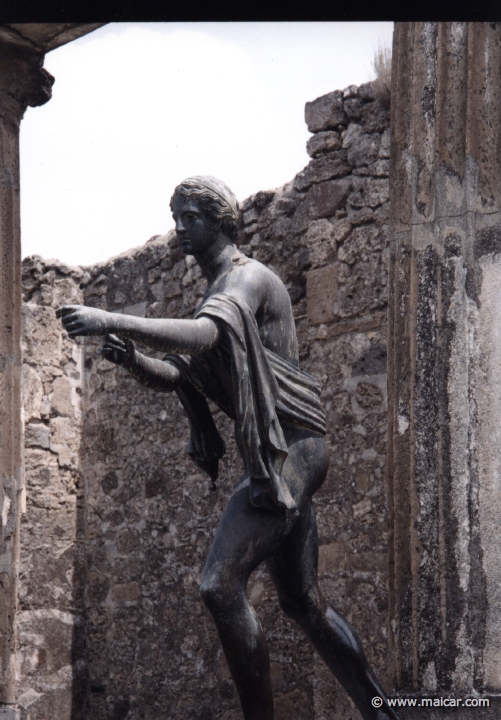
(241, 352)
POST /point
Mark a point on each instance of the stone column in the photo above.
(444, 375)
(23, 82)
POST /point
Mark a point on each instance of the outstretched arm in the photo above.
(169, 335)
(152, 373)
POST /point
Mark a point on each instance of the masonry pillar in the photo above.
(23, 82)
(445, 359)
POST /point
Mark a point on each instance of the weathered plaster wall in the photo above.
(444, 349)
(142, 528)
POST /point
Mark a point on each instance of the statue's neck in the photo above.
(217, 260)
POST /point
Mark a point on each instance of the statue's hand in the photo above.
(83, 320)
(118, 350)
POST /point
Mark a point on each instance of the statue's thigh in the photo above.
(293, 565)
(248, 535)
(245, 537)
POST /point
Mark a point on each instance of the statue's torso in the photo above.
(268, 299)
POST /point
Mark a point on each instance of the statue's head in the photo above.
(215, 198)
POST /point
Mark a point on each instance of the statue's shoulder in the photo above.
(253, 271)
(254, 278)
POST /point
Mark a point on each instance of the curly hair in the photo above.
(215, 198)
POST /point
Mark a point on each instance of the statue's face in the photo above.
(194, 227)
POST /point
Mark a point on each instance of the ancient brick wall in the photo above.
(142, 528)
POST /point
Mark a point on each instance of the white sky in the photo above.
(137, 107)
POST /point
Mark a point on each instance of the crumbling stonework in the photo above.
(119, 520)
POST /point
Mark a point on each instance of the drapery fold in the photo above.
(256, 388)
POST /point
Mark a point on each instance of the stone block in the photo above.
(157, 288)
(41, 335)
(380, 168)
(353, 108)
(61, 398)
(125, 593)
(325, 113)
(98, 586)
(362, 508)
(362, 241)
(172, 289)
(351, 134)
(323, 142)
(375, 118)
(365, 150)
(327, 197)
(65, 441)
(300, 220)
(32, 393)
(321, 293)
(384, 148)
(37, 435)
(9, 713)
(250, 216)
(329, 166)
(296, 704)
(320, 238)
(341, 230)
(361, 216)
(331, 557)
(367, 91)
(263, 198)
(368, 395)
(369, 561)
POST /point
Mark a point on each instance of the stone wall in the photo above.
(119, 520)
(50, 621)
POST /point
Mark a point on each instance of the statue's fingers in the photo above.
(69, 319)
(63, 310)
(112, 338)
(77, 328)
(112, 347)
(128, 344)
(73, 324)
(118, 343)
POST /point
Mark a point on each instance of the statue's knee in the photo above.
(215, 593)
(298, 606)
(208, 592)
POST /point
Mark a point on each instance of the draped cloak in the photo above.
(254, 387)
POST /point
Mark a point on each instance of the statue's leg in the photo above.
(246, 536)
(293, 568)
(244, 539)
